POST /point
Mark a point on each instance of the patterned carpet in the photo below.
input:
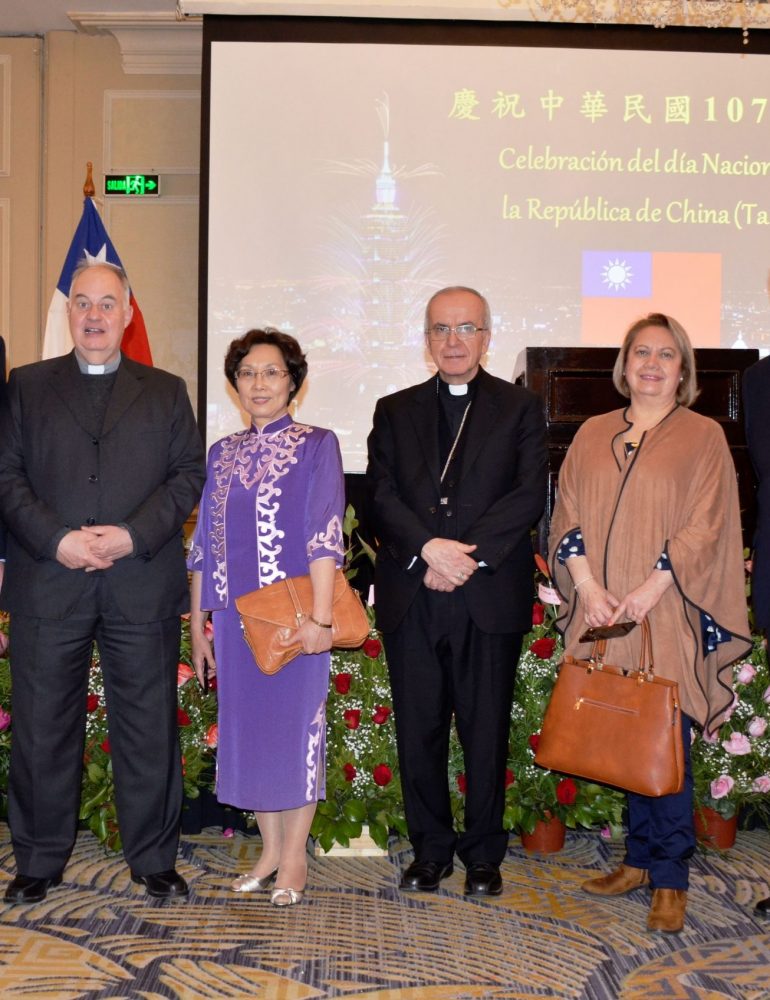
(97, 937)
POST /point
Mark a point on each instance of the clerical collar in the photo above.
(450, 389)
(87, 369)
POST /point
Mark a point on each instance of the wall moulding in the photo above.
(742, 14)
(150, 42)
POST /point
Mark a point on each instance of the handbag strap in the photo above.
(646, 665)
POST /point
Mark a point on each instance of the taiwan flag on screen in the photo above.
(619, 287)
(90, 241)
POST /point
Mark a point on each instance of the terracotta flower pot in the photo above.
(546, 838)
(714, 830)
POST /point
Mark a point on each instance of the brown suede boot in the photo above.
(667, 910)
(625, 879)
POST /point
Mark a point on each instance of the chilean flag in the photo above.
(619, 287)
(90, 242)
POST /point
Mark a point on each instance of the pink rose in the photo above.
(228, 832)
(757, 726)
(721, 786)
(761, 784)
(746, 674)
(766, 696)
(737, 745)
(732, 708)
(710, 736)
(5, 719)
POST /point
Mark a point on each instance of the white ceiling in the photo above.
(35, 17)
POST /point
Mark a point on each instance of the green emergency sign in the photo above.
(132, 185)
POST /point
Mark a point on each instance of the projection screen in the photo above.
(354, 170)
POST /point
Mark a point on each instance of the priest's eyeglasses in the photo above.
(441, 331)
(269, 375)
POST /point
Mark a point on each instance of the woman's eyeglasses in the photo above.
(267, 374)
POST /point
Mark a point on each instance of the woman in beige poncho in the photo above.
(647, 524)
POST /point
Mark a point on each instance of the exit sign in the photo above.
(132, 185)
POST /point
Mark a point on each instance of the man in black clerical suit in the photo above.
(756, 401)
(100, 465)
(457, 478)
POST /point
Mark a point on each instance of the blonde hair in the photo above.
(687, 392)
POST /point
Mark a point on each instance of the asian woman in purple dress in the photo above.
(272, 508)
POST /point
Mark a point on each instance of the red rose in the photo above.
(342, 683)
(212, 735)
(183, 674)
(212, 683)
(381, 714)
(372, 648)
(105, 745)
(352, 717)
(510, 777)
(543, 648)
(349, 771)
(534, 741)
(566, 791)
(462, 784)
(92, 702)
(382, 775)
(182, 718)
(538, 613)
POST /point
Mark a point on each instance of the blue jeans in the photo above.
(661, 831)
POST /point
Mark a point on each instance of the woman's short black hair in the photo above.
(294, 359)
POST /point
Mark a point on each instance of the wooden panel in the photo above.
(152, 131)
(5, 115)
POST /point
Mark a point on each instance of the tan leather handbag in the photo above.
(615, 725)
(272, 613)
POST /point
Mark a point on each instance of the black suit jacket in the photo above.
(500, 494)
(756, 401)
(144, 468)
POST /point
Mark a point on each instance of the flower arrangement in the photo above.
(731, 767)
(362, 782)
(534, 793)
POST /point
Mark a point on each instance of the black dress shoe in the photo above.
(28, 889)
(162, 885)
(425, 876)
(482, 879)
(762, 909)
